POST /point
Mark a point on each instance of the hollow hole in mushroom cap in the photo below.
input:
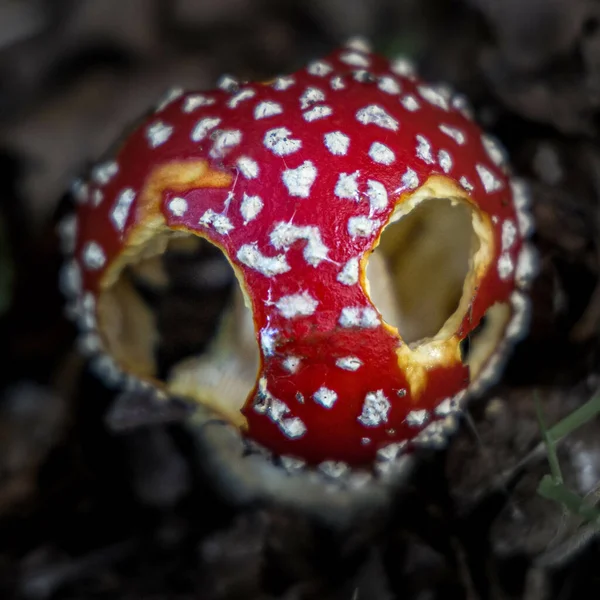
(418, 271)
(423, 275)
(176, 313)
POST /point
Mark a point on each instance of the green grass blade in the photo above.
(550, 444)
(576, 419)
(574, 503)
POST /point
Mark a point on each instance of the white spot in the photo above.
(105, 367)
(297, 305)
(191, 103)
(269, 266)
(521, 314)
(363, 76)
(291, 363)
(527, 265)
(80, 191)
(369, 318)
(389, 85)
(319, 68)
(522, 202)
(202, 127)
(466, 184)
(227, 83)
(493, 150)
(347, 186)
(286, 234)
(104, 172)
(505, 266)
(490, 182)
(97, 198)
(381, 154)
(293, 428)
(445, 160)
(355, 316)
(70, 279)
(377, 194)
(267, 108)
(334, 469)
(349, 363)
(391, 451)
(311, 96)
(283, 83)
(220, 223)
(89, 344)
(337, 143)
(456, 134)
(349, 273)
(317, 112)
(93, 256)
(354, 59)
(462, 105)
(403, 66)
(337, 83)
(280, 143)
(120, 211)
(410, 103)
(87, 307)
(325, 397)
(67, 231)
(248, 167)
(171, 95)
(240, 97)
(375, 409)
(424, 150)
(520, 193)
(376, 115)
(268, 340)
(224, 141)
(158, 133)
(433, 96)
(410, 179)
(250, 207)
(358, 43)
(417, 418)
(275, 409)
(178, 206)
(509, 234)
(298, 181)
(362, 226)
(448, 406)
(292, 464)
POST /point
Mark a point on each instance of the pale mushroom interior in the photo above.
(176, 313)
(423, 273)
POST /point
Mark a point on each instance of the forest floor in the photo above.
(87, 512)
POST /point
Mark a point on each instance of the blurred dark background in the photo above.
(90, 512)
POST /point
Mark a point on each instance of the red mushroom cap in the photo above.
(295, 180)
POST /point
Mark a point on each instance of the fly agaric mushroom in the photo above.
(374, 233)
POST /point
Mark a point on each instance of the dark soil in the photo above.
(89, 510)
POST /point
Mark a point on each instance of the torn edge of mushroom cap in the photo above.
(249, 472)
(518, 325)
(333, 492)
